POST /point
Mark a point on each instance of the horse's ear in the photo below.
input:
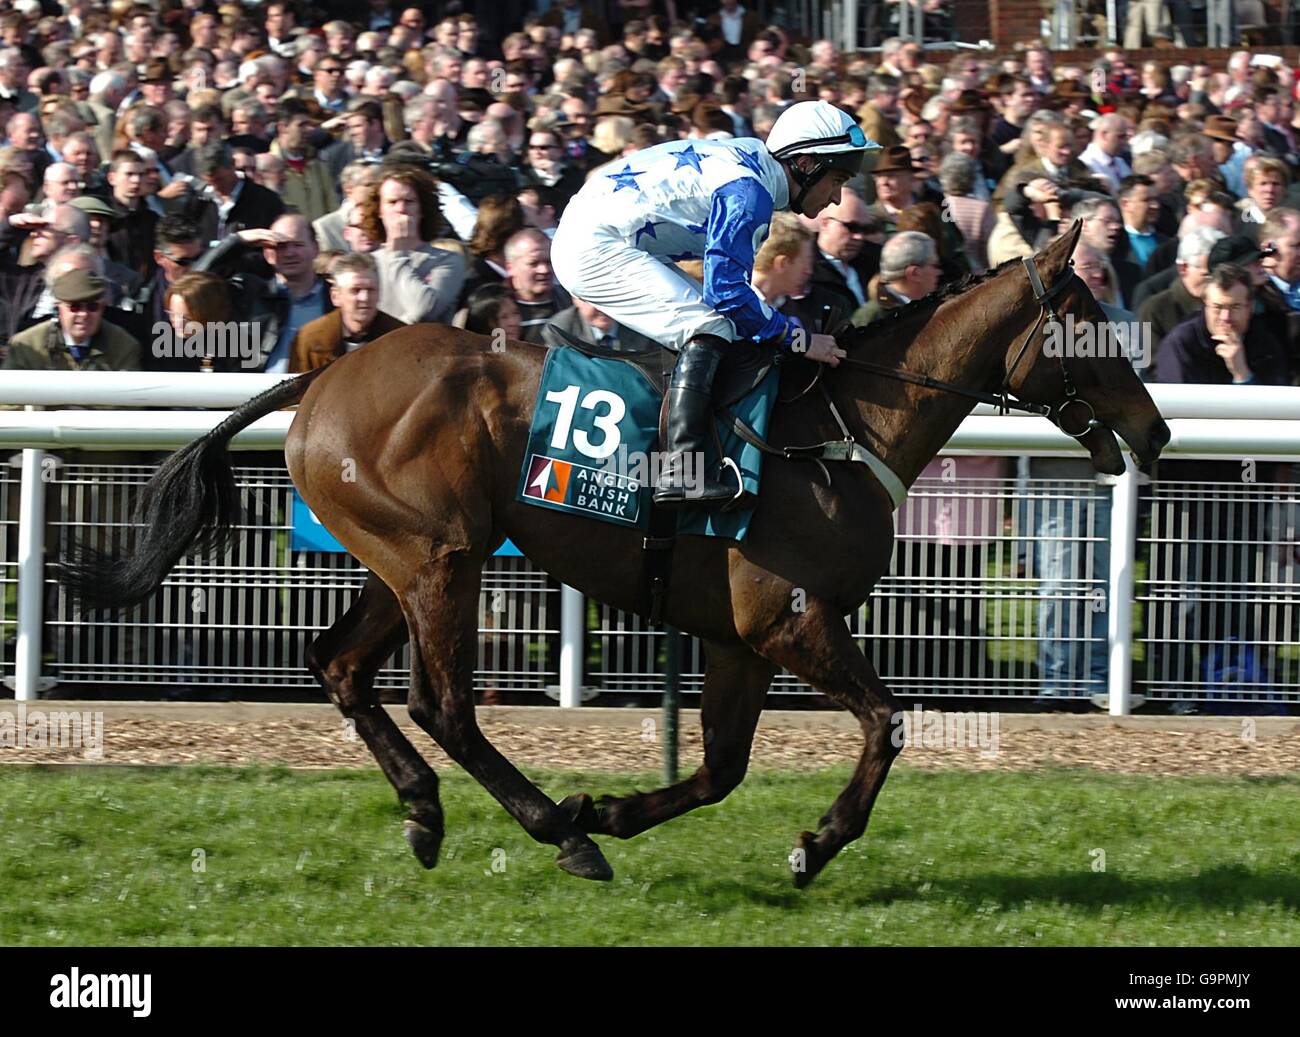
(1056, 256)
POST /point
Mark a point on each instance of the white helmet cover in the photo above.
(817, 128)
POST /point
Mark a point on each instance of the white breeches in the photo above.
(634, 288)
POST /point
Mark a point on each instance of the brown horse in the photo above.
(410, 450)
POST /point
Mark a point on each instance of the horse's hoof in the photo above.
(586, 861)
(581, 810)
(805, 862)
(424, 841)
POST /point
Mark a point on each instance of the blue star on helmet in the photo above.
(749, 160)
(688, 156)
(626, 178)
(648, 228)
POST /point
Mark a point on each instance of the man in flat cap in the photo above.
(123, 282)
(77, 339)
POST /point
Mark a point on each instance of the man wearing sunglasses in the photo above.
(710, 200)
(177, 245)
(78, 339)
(327, 77)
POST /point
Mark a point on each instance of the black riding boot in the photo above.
(690, 412)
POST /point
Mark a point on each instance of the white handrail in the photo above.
(1274, 438)
(122, 389)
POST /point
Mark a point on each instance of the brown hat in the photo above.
(895, 160)
(79, 286)
(684, 104)
(157, 71)
(969, 101)
(1221, 127)
(616, 104)
(1072, 90)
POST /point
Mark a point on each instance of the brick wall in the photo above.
(1014, 20)
(971, 20)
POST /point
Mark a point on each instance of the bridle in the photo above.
(1003, 399)
(847, 448)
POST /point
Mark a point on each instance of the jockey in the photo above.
(710, 199)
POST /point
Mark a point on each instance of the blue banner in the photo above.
(309, 534)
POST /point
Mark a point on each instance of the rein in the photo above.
(1003, 399)
(849, 449)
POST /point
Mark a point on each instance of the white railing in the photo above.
(1205, 421)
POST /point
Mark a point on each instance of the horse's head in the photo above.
(1073, 363)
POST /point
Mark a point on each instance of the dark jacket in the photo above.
(1187, 356)
(254, 300)
(569, 183)
(1037, 232)
(479, 274)
(1153, 285)
(881, 300)
(1166, 310)
(131, 244)
(570, 320)
(1126, 266)
(341, 153)
(256, 207)
(321, 340)
(828, 288)
(1283, 324)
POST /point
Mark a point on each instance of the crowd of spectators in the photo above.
(326, 174)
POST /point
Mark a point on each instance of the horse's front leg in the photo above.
(817, 647)
(735, 687)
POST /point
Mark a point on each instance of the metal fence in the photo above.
(1009, 579)
(998, 588)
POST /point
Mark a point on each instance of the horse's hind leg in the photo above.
(345, 659)
(441, 606)
(817, 647)
(735, 687)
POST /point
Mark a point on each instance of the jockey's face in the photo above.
(824, 192)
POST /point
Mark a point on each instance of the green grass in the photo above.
(106, 857)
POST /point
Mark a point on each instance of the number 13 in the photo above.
(607, 423)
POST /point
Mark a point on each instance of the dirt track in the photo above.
(630, 740)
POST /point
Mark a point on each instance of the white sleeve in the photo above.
(458, 209)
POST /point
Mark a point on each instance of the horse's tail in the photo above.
(192, 500)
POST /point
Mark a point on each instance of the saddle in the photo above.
(740, 372)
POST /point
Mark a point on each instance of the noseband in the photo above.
(1003, 399)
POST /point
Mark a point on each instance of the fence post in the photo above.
(31, 577)
(672, 701)
(849, 26)
(1123, 554)
(573, 639)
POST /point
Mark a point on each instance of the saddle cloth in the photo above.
(592, 446)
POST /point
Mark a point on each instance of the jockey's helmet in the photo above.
(817, 128)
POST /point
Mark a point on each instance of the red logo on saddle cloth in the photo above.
(548, 479)
(594, 492)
